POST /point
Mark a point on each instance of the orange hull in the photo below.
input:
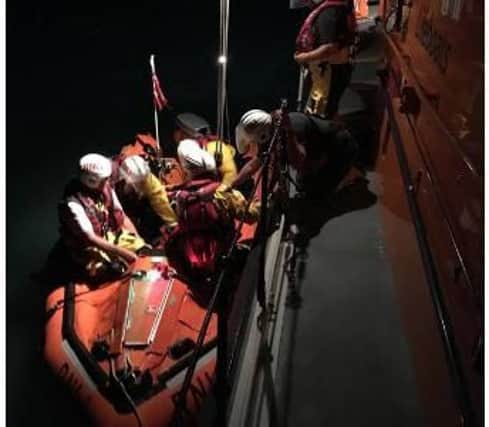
(431, 136)
(94, 313)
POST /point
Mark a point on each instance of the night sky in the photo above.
(78, 81)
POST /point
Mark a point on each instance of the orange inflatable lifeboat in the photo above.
(123, 347)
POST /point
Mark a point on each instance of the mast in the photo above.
(222, 73)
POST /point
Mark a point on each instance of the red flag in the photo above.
(159, 98)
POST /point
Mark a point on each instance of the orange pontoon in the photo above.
(124, 347)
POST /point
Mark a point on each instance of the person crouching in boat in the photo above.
(206, 214)
(144, 198)
(192, 126)
(321, 151)
(94, 228)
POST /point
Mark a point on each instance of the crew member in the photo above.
(320, 150)
(198, 164)
(143, 197)
(206, 213)
(323, 46)
(94, 227)
(190, 125)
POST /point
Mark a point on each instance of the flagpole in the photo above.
(157, 130)
(157, 133)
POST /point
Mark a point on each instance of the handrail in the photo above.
(441, 204)
(425, 153)
(446, 332)
(96, 373)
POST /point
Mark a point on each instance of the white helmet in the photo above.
(194, 159)
(134, 170)
(254, 127)
(94, 168)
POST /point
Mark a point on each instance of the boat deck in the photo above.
(344, 359)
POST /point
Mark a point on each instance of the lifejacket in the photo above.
(103, 221)
(195, 207)
(200, 236)
(305, 40)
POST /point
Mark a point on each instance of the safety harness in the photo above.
(101, 213)
(305, 40)
(197, 240)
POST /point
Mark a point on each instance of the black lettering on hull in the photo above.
(71, 379)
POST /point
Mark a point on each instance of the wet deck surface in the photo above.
(344, 359)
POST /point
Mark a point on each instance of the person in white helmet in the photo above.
(94, 227)
(144, 197)
(206, 213)
(195, 160)
(252, 136)
(320, 150)
(189, 125)
(201, 170)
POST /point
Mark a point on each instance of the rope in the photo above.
(276, 139)
(126, 395)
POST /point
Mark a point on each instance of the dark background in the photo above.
(79, 81)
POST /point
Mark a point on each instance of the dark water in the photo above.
(78, 81)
